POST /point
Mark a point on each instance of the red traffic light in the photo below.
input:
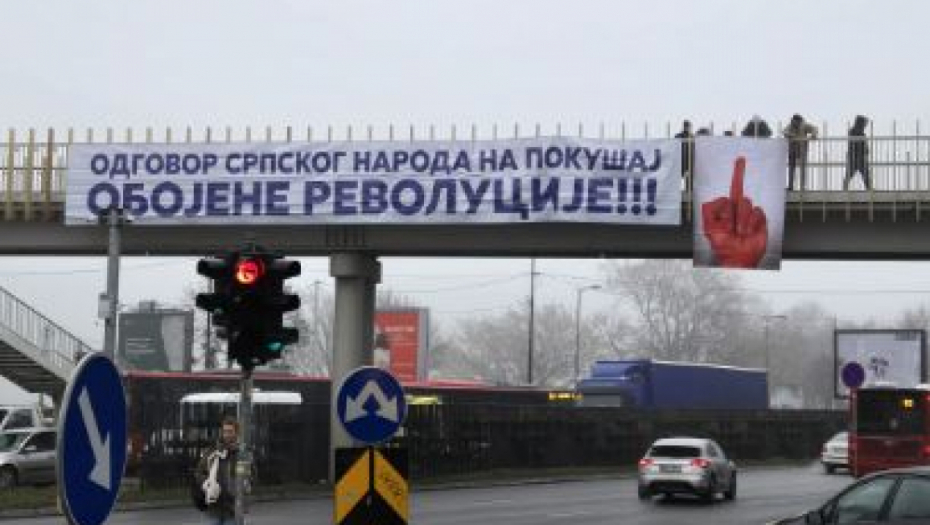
(249, 271)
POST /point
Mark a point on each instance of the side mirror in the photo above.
(30, 449)
(814, 517)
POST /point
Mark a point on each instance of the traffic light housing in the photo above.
(249, 303)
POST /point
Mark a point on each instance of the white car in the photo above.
(835, 453)
(686, 466)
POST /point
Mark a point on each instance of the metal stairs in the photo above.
(35, 353)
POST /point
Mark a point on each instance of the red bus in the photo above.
(889, 428)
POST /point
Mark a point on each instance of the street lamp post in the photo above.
(580, 292)
(766, 319)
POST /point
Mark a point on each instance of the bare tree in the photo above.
(679, 312)
(494, 348)
(312, 355)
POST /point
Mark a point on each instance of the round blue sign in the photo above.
(370, 405)
(92, 441)
(853, 374)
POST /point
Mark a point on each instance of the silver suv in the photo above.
(686, 466)
(27, 456)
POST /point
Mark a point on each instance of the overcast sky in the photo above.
(220, 63)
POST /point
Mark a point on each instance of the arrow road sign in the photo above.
(387, 407)
(101, 448)
(371, 405)
(91, 441)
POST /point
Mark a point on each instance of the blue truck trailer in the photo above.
(651, 384)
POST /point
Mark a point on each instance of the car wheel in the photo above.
(730, 493)
(829, 469)
(8, 478)
(708, 495)
(644, 494)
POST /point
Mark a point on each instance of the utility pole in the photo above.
(114, 222)
(532, 323)
(580, 292)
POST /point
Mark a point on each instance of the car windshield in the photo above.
(674, 451)
(842, 436)
(9, 442)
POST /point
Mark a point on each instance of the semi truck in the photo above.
(653, 384)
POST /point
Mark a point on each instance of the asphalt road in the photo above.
(764, 494)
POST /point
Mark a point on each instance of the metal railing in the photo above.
(49, 344)
(33, 165)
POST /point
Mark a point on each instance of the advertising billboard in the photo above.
(867, 357)
(158, 340)
(402, 342)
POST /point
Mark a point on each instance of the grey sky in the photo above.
(215, 63)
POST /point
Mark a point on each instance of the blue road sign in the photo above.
(371, 405)
(91, 441)
(853, 375)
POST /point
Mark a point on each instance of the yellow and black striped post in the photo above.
(371, 487)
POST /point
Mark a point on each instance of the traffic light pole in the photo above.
(244, 462)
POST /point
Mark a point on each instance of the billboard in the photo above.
(739, 193)
(402, 342)
(543, 179)
(158, 340)
(864, 357)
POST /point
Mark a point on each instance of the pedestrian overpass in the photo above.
(823, 221)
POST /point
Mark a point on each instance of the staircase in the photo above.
(35, 353)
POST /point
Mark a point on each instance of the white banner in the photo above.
(739, 202)
(865, 357)
(435, 182)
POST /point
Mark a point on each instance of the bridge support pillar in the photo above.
(357, 276)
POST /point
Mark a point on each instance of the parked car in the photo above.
(835, 453)
(13, 417)
(890, 497)
(686, 466)
(27, 456)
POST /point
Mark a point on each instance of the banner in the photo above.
(739, 202)
(865, 357)
(402, 342)
(434, 182)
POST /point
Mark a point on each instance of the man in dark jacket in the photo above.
(687, 151)
(216, 474)
(857, 156)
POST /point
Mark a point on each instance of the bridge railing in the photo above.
(32, 165)
(56, 347)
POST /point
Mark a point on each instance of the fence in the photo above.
(509, 429)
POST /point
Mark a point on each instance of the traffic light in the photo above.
(274, 303)
(248, 304)
(219, 302)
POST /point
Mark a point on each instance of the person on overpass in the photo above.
(758, 128)
(857, 155)
(687, 152)
(799, 133)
